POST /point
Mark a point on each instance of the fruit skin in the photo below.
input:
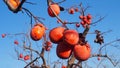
(13, 4)
(27, 57)
(55, 8)
(37, 31)
(63, 50)
(71, 37)
(56, 34)
(82, 52)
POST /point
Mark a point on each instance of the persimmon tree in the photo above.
(71, 45)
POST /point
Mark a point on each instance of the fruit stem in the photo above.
(31, 62)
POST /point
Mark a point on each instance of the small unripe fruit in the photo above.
(71, 10)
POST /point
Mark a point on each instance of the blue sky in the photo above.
(17, 23)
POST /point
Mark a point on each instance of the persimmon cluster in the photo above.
(85, 20)
(67, 41)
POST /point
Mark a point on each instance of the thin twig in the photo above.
(108, 44)
(61, 1)
(32, 62)
(100, 19)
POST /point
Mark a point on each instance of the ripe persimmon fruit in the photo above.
(37, 31)
(71, 37)
(13, 4)
(63, 51)
(55, 8)
(82, 52)
(56, 34)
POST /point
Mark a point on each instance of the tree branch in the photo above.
(32, 62)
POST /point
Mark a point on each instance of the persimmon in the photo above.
(3, 35)
(63, 66)
(98, 58)
(63, 51)
(27, 57)
(55, 8)
(89, 16)
(76, 9)
(71, 37)
(82, 52)
(37, 31)
(16, 42)
(77, 24)
(81, 17)
(71, 11)
(13, 4)
(56, 34)
(82, 23)
(21, 55)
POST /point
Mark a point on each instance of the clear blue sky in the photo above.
(17, 23)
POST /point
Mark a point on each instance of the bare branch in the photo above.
(32, 62)
(71, 61)
(82, 9)
(28, 48)
(61, 1)
(114, 63)
(30, 3)
(108, 44)
(100, 19)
